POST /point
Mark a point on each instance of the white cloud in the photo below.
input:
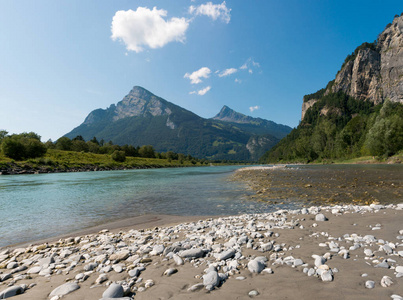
(145, 27)
(201, 92)
(204, 91)
(228, 72)
(249, 64)
(238, 80)
(196, 76)
(253, 108)
(213, 11)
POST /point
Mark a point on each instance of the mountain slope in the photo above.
(142, 118)
(359, 113)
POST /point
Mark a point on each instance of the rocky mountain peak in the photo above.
(229, 115)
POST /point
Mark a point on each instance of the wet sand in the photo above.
(325, 184)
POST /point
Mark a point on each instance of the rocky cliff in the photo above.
(373, 72)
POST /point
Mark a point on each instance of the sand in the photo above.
(285, 283)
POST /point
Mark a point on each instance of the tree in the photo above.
(3, 134)
(79, 146)
(171, 155)
(119, 156)
(30, 135)
(25, 145)
(78, 138)
(64, 143)
(34, 148)
(50, 145)
(13, 148)
(95, 141)
(147, 151)
(92, 147)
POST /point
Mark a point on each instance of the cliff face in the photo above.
(374, 72)
(391, 44)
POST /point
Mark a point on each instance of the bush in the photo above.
(34, 148)
(20, 146)
(119, 156)
(64, 143)
(13, 148)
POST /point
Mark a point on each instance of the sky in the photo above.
(59, 60)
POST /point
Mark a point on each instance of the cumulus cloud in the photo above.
(196, 76)
(201, 92)
(253, 108)
(214, 11)
(238, 80)
(227, 72)
(145, 27)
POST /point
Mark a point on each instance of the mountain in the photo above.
(142, 118)
(358, 113)
(254, 125)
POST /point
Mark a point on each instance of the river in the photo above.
(34, 207)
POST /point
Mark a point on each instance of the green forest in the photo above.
(25, 153)
(341, 127)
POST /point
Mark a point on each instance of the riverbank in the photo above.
(338, 252)
(57, 161)
(308, 185)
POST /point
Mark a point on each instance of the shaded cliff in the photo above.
(373, 72)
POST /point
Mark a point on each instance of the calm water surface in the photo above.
(33, 207)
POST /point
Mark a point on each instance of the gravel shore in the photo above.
(338, 252)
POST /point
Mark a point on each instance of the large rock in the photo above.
(256, 266)
(64, 289)
(11, 291)
(230, 253)
(211, 280)
(113, 291)
(192, 253)
(118, 256)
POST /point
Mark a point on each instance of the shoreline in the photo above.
(270, 255)
(136, 223)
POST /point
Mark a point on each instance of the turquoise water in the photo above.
(39, 206)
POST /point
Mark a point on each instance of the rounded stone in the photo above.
(113, 291)
(369, 284)
(64, 289)
(253, 293)
(320, 218)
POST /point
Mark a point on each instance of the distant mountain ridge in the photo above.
(142, 118)
(259, 125)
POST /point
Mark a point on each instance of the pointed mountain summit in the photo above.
(229, 115)
(255, 125)
(142, 118)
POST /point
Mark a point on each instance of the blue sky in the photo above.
(59, 60)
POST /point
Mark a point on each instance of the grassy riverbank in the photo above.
(64, 161)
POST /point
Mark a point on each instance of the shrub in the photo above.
(13, 148)
(119, 156)
(34, 148)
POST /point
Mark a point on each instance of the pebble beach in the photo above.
(341, 251)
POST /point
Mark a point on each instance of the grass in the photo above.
(65, 160)
(397, 158)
